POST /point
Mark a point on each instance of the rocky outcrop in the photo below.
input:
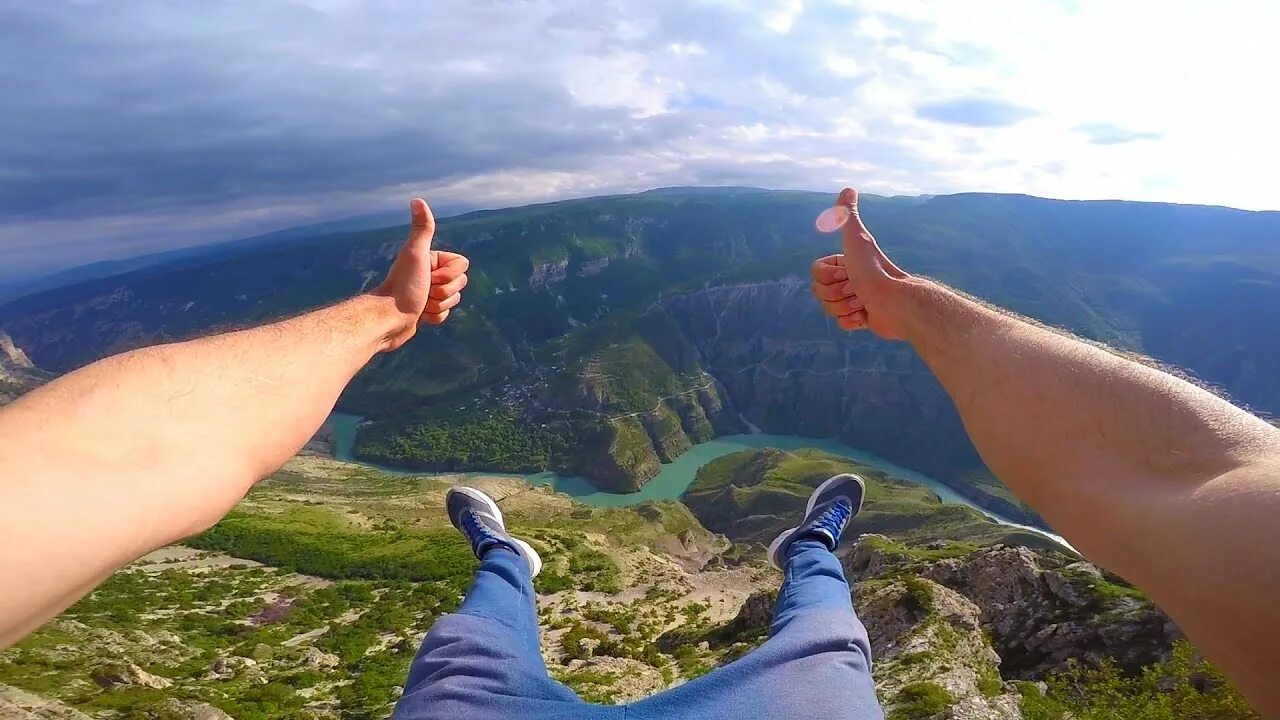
(666, 432)
(1042, 611)
(317, 659)
(18, 704)
(548, 273)
(927, 640)
(623, 460)
(126, 674)
(17, 373)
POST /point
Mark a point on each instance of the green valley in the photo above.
(601, 337)
(310, 599)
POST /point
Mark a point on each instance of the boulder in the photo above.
(126, 674)
(318, 659)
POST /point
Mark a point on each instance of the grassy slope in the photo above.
(752, 495)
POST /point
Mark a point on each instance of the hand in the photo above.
(426, 284)
(856, 288)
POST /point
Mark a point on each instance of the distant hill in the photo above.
(172, 259)
(605, 335)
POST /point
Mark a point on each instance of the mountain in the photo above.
(603, 336)
(17, 373)
(753, 495)
(172, 259)
(309, 600)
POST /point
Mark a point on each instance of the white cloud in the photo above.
(122, 118)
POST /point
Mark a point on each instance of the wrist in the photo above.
(913, 304)
(384, 325)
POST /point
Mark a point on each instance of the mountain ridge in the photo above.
(583, 313)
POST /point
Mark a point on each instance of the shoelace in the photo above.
(833, 520)
(477, 533)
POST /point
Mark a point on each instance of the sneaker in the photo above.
(831, 506)
(479, 520)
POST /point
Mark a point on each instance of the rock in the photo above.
(262, 652)
(113, 675)
(18, 704)
(225, 668)
(756, 611)
(188, 710)
(1042, 618)
(867, 560)
(318, 659)
(924, 632)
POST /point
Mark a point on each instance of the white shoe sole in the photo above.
(531, 556)
(777, 542)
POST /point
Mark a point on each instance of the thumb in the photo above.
(422, 229)
(855, 234)
(861, 253)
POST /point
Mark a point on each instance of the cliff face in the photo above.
(17, 373)
(793, 372)
(1042, 610)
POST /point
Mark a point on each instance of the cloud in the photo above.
(1108, 134)
(974, 112)
(140, 126)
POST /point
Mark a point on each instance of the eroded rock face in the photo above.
(922, 632)
(1041, 613)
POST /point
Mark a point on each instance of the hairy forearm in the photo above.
(1147, 474)
(145, 448)
(1053, 415)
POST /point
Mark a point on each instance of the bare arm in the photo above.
(143, 449)
(1151, 476)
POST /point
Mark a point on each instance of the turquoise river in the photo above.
(674, 477)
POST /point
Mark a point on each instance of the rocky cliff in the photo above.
(793, 372)
(17, 373)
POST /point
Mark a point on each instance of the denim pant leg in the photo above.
(483, 662)
(816, 663)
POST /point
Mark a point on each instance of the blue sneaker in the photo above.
(831, 506)
(479, 520)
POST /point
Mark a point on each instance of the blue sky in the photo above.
(137, 125)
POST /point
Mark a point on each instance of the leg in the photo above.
(816, 663)
(484, 660)
(817, 660)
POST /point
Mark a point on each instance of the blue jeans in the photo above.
(483, 662)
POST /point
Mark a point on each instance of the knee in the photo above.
(461, 646)
(824, 632)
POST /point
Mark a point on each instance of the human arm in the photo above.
(1147, 474)
(143, 449)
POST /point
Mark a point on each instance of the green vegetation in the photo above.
(920, 701)
(495, 439)
(752, 495)
(1185, 687)
(316, 542)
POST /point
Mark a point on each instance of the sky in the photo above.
(131, 126)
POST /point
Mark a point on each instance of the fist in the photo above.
(858, 287)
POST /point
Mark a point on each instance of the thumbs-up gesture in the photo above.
(859, 287)
(426, 284)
